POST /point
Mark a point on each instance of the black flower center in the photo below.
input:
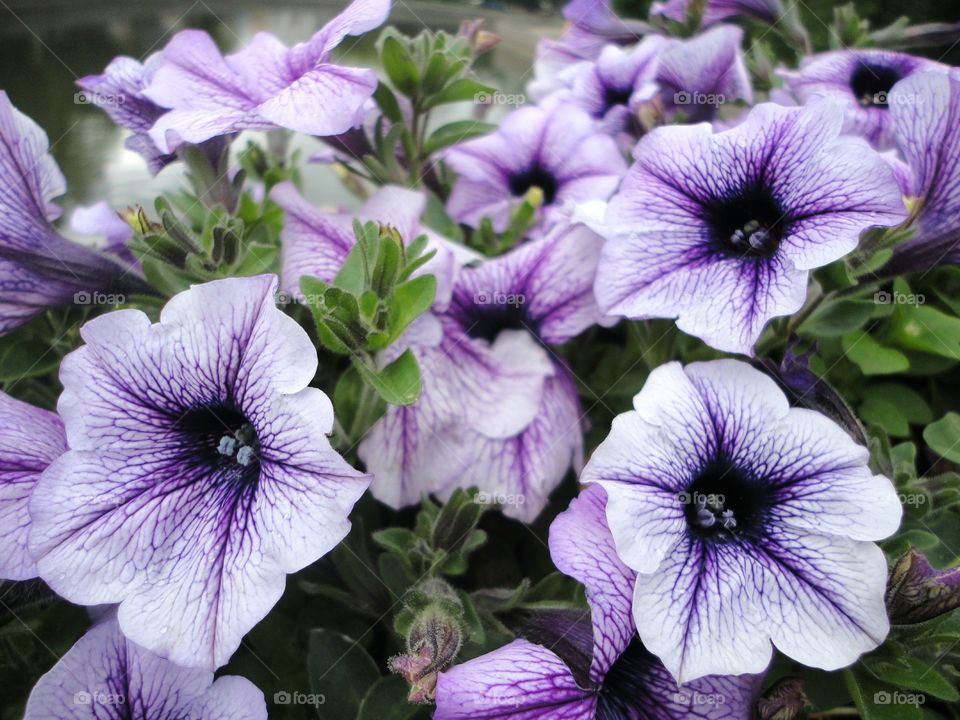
(626, 688)
(613, 96)
(221, 439)
(723, 501)
(871, 84)
(534, 176)
(489, 314)
(748, 224)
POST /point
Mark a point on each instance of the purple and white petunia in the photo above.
(498, 410)
(713, 11)
(698, 75)
(750, 524)
(30, 439)
(721, 229)
(559, 150)
(199, 471)
(928, 134)
(40, 269)
(119, 93)
(105, 676)
(588, 670)
(861, 82)
(263, 86)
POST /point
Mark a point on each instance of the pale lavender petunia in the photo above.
(750, 524)
(559, 150)
(927, 131)
(498, 409)
(574, 669)
(40, 269)
(105, 676)
(199, 471)
(699, 75)
(720, 230)
(861, 82)
(265, 85)
(30, 439)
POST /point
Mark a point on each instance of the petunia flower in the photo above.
(559, 150)
(498, 410)
(750, 524)
(698, 75)
(40, 269)
(30, 439)
(720, 230)
(199, 471)
(265, 85)
(598, 671)
(714, 11)
(860, 81)
(105, 676)
(927, 128)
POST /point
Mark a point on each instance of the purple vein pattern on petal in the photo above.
(199, 471)
(30, 439)
(105, 676)
(739, 511)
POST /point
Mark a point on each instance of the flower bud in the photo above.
(916, 592)
(784, 701)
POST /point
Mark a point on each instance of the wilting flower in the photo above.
(263, 86)
(497, 410)
(747, 521)
(199, 471)
(917, 592)
(698, 75)
(105, 676)
(119, 93)
(928, 135)
(558, 150)
(30, 439)
(720, 230)
(861, 82)
(40, 269)
(573, 670)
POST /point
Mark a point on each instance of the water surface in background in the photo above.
(45, 46)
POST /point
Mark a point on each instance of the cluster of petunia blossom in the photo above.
(188, 468)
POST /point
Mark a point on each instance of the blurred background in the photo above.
(45, 45)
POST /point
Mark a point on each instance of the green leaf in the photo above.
(943, 436)
(387, 102)
(398, 383)
(872, 357)
(456, 132)
(838, 318)
(874, 699)
(924, 328)
(409, 301)
(913, 673)
(387, 700)
(25, 357)
(460, 90)
(894, 407)
(397, 539)
(346, 396)
(341, 670)
(399, 66)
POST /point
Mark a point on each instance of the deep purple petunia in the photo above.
(119, 93)
(750, 524)
(30, 439)
(199, 472)
(559, 150)
(105, 676)
(588, 672)
(720, 230)
(40, 269)
(928, 134)
(861, 81)
(265, 85)
(699, 75)
(714, 11)
(498, 410)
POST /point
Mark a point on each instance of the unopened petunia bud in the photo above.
(784, 701)
(916, 592)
